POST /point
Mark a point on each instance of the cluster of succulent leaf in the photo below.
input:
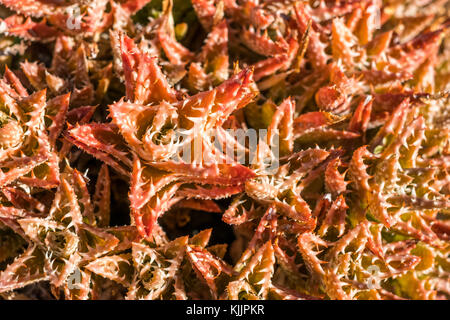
(355, 91)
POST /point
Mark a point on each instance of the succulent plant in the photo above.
(317, 131)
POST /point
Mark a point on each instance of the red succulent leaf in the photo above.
(56, 111)
(14, 82)
(316, 49)
(200, 205)
(27, 268)
(335, 216)
(207, 267)
(102, 141)
(259, 269)
(145, 83)
(334, 181)
(206, 11)
(282, 121)
(262, 44)
(279, 62)
(361, 116)
(34, 8)
(410, 55)
(209, 191)
(102, 197)
(132, 6)
(145, 217)
(174, 51)
(28, 29)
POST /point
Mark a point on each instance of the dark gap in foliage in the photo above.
(182, 222)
